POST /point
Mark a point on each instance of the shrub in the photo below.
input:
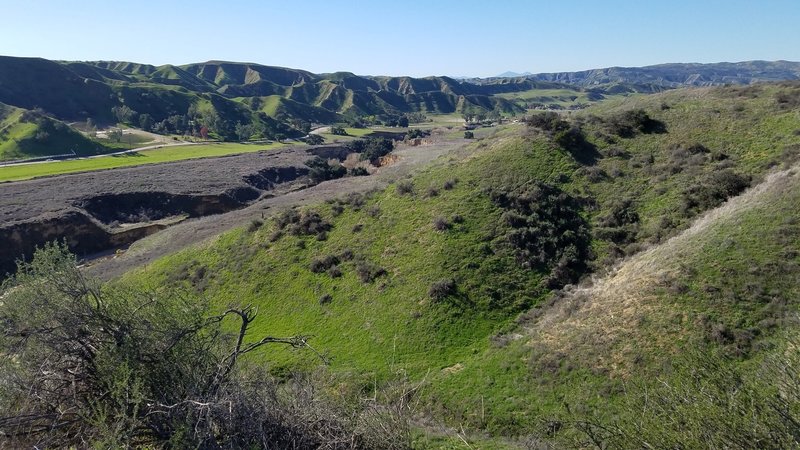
(355, 200)
(417, 133)
(319, 265)
(254, 225)
(546, 230)
(305, 224)
(449, 184)
(286, 218)
(372, 149)
(620, 224)
(617, 152)
(629, 123)
(358, 172)
(441, 224)
(548, 121)
(469, 135)
(442, 289)
(325, 299)
(713, 190)
(432, 192)
(368, 272)
(405, 187)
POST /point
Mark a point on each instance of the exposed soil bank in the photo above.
(98, 211)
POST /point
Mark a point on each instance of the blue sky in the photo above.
(405, 37)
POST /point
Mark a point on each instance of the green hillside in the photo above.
(75, 91)
(451, 280)
(29, 134)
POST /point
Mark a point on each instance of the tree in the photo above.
(244, 131)
(115, 135)
(372, 149)
(402, 122)
(145, 122)
(91, 128)
(338, 131)
(124, 114)
(178, 123)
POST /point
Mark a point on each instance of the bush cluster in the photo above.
(713, 190)
(321, 170)
(118, 367)
(371, 149)
(302, 224)
(546, 230)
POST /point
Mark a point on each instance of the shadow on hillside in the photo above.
(575, 143)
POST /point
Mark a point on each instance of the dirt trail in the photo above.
(197, 230)
(604, 313)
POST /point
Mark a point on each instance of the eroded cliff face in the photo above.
(99, 211)
(111, 221)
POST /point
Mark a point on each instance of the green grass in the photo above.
(167, 154)
(352, 133)
(479, 369)
(41, 137)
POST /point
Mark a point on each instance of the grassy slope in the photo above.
(505, 384)
(391, 322)
(562, 97)
(169, 154)
(47, 137)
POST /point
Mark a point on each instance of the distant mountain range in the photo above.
(510, 74)
(675, 75)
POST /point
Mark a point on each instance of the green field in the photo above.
(161, 155)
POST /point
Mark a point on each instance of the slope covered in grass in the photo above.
(29, 134)
(452, 278)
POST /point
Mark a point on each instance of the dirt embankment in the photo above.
(97, 211)
(162, 208)
(406, 160)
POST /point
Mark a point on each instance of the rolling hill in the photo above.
(473, 280)
(243, 100)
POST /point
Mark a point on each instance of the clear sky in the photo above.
(405, 37)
